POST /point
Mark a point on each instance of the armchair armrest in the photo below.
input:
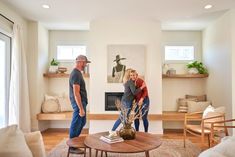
(193, 116)
(193, 113)
(209, 118)
(225, 121)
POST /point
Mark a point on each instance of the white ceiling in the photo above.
(76, 14)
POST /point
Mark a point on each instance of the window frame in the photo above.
(69, 60)
(8, 40)
(196, 55)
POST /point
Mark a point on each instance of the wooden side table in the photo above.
(77, 142)
(144, 142)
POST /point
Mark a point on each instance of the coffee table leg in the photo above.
(89, 152)
(101, 153)
(106, 154)
(85, 152)
(96, 153)
(147, 154)
(68, 152)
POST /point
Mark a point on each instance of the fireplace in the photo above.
(110, 98)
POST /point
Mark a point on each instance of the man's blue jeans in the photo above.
(145, 117)
(128, 105)
(77, 122)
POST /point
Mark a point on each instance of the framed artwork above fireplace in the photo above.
(122, 57)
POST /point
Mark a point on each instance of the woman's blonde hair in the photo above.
(126, 76)
(133, 71)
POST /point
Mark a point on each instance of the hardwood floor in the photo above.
(52, 137)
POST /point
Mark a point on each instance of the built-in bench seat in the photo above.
(165, 116)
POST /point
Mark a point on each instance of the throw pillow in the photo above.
(50, 106)
(65, 104)
(213, 112)
(197, 106)
(48, 97)
(199, 97)
(183, 104)
(207, 110)
(35, 143)
(13, 143)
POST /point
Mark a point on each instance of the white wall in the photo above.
(43, 56)
(105, 32)
(38, 60)
(233, 64)
(217, 46)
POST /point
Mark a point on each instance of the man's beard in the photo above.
(83, 67)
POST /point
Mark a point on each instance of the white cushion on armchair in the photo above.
(223, 149)
(35, 142)
(12, 143)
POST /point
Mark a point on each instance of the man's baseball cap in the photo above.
(82, 58)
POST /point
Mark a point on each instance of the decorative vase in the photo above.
(53, 69)
(127, 132)
(193, 71)
(165, 67)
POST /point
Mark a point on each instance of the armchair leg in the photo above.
(209, 143)
(202, 139)
(185, 134)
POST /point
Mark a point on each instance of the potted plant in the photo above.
(53, 66)
(197, 67)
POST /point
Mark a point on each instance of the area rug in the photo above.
(169, 148)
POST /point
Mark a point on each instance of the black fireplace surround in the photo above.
(110, 98)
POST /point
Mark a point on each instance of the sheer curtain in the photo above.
(19, 109)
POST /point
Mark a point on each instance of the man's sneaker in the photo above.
(76, 151)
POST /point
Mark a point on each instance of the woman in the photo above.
(142, 100)
(129, 94)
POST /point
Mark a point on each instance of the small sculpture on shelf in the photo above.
(171, 71)
(62, 69)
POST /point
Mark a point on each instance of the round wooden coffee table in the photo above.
(144, 142)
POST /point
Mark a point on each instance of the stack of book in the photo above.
(112, 139)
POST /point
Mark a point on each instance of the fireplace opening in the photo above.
(110, 98)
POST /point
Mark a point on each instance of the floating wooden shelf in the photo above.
(61, 75)
(165, 116)
(185, 76)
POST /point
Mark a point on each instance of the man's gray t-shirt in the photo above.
(77, 78)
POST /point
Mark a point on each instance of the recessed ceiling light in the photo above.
(45, 6)
(208, 6)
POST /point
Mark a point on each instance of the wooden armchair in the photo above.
(200, 130)
(220, 127)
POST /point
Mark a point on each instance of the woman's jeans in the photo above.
(145, 117)
(77, 122)
(127, 105)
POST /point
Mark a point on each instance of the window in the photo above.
(69, 53)
(179, 53)
(5, 49)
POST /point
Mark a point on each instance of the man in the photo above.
(78, 99)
